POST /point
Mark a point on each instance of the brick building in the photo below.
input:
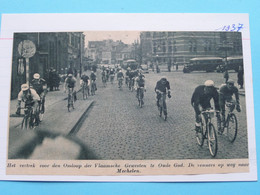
(58, 51)
(180, 47)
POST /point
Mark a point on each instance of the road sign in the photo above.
(26, 48)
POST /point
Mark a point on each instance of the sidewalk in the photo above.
(57, 119)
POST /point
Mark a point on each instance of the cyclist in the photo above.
(112, 75)
(201, 98)
(107, 73)
(85, 80)
(40, 86)
(162, 86)
(127, 75)
(120, 77)
(93, 78)
(139, 82)
(226, 92)
(30, 97)
(70, 83)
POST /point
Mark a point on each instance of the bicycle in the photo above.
(126, 80)
(162, 105)
(70, 99)
(104, 81)
(29, 120)
(93, 87)
(41, 109)
(207, 131)
(85, 90)
(120, 83)
(140, 97)
(112, 76)
(230, 123)
(131, 85)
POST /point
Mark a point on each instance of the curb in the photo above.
(78, 124)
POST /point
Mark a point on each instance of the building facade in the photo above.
(108, 51)
(57, 51)
(180, 47)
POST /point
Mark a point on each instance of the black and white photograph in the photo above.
(128, 96)
(129, 102)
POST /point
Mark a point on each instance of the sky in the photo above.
(127, 37)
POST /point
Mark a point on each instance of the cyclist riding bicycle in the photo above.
(30, 97)
(139, 82)
(120, 77)
(127, 73)
(84, 81)
(40, 86)
(162, 86)
(103, 74)
(112, 74)
(93, 78)
(107, 73)
(70, 82)
(226, 92)
(201, 98)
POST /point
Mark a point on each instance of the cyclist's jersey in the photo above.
(30, 97)
(228, 92)
(70, 82)
(131, 74)
(85, 78)
(38, 85)
(103, 74)
(112, 71)
(120, 75)
(200, 98)
(127, 73)
(140, 82)
(162, 87)
(93, 76)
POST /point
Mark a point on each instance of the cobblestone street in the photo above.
(116, 128)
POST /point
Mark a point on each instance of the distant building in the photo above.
(58, 51)
(108, 51)
(180, 47)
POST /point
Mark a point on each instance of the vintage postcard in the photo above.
(127, 97)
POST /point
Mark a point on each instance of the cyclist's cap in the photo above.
(164, 77)
(209, 83)
(70, 75)
(24, 87)
(128, 68)
(230, 81)
(36, 76)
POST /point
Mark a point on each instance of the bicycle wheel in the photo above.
(200, 134)
(24, 123)
(31, 121)
(231, 127)
(165, 111)
(212, 140)
(69, 99)
(83, 93)
(41, 115)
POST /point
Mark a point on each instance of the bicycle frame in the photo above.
(120, 82)
(162, 105)
(230, 121)
(28, 119)
(70, 99)
(140, 96)
(208, 131)
(85, 90)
